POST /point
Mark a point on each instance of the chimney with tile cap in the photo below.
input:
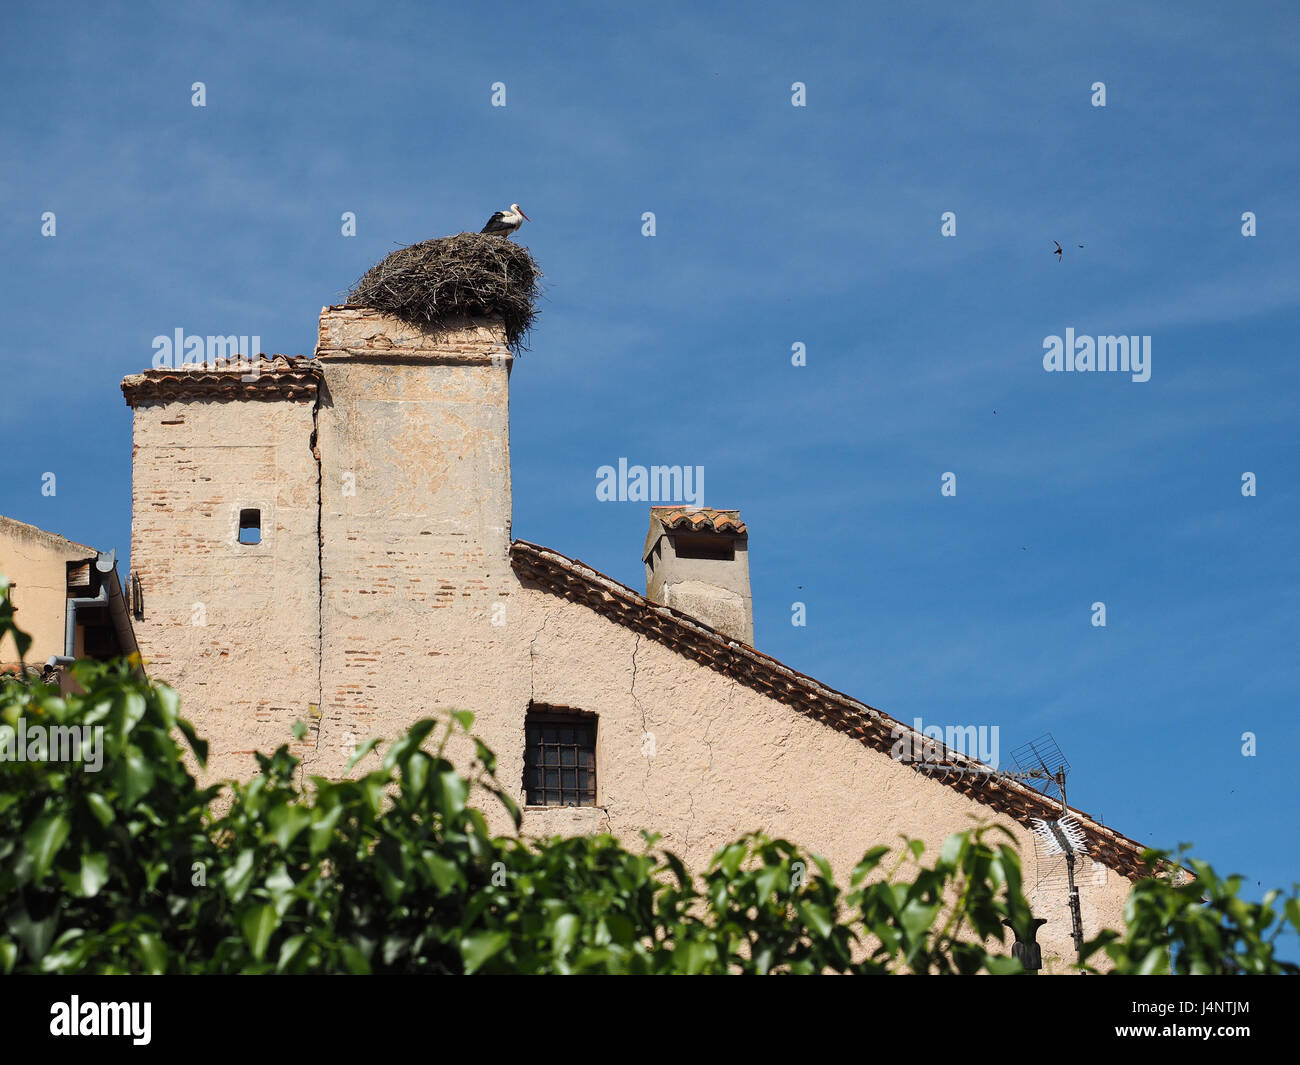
(697, 561)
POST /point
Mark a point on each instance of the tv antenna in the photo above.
(1041, 763)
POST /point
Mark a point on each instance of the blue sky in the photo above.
(775, 224)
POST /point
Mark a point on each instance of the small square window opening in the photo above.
(250, 527)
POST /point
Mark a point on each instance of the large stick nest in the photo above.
(470, 274)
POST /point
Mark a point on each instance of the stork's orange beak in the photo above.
(526, 218)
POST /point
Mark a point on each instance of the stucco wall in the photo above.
(235, 628)
(421, 613)
(726, 760)
(415, 518)
(36, 564)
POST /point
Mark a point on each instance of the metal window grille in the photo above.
(560, 759)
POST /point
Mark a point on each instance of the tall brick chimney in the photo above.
(413, 433)
(697, 561)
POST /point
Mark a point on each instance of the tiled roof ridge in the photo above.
(715, 518)
(576, 581)
(292, 377)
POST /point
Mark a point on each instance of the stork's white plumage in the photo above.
(503, 223)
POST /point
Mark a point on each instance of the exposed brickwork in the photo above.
(415, 458)
(234, 627)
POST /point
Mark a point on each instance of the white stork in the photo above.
(503, 223)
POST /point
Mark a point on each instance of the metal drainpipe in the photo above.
(119, 613)
(104, 563)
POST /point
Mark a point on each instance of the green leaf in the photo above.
(36, 936)
(21, 640)
(289, 950)
(823, 867)
(43, 840)
(730, 857)
(238, 876)
(818, 918)
(698, 956)
(565, 933)
(361, 752)
(322, 830)
(477, 949)
(92, 876)
(67, 954)
(132, 706)
(445, 875)
(452, 790)
(286, 822)
(100, 807)
(767, 879)
(869, 862)
(138, 777)
(150, 950)
(198, 746)
(917, 917)
(170, 704)
(259, 924)
(953, 848)
(416, 773)
(280, 886)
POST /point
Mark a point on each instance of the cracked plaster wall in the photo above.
(410, 598)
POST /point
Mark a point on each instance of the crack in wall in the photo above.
(314, 443)
(532, 654)
(731, 694)
(532, 690)
(636, 705)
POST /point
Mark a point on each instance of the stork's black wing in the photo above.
(494, 224)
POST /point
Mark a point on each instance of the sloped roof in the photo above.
(579, 583)
(16, 528)
(266, 377)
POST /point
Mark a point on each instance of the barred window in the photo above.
(559, 758)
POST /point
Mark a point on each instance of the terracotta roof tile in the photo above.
(579, 583)
(266, 377)
(699, 518)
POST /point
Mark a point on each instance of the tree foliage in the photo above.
(131, 870)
